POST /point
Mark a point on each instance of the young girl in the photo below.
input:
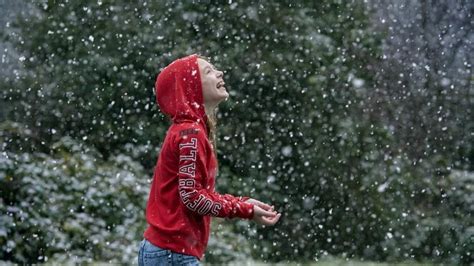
(182, 197)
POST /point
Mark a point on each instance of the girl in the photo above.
(182, 197)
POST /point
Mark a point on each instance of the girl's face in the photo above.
(213, 86)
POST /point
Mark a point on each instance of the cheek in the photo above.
(204, 83)
(206, 86)
(206, 90)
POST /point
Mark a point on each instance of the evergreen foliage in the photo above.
(80, 133)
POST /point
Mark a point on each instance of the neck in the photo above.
(209, 109)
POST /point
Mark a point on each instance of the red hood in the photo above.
(179, 91)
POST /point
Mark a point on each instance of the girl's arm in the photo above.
(193, 171)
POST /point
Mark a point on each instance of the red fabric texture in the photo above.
(182, 197)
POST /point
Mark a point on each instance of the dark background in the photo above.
(353, 117)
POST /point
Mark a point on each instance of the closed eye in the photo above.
(209, 69)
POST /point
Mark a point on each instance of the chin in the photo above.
(222, 95)
(223, 98)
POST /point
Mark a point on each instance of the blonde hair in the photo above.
(211, 120)
(212, 125)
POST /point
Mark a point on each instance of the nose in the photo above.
(220, 74)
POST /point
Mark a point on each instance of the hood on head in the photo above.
(178, 91)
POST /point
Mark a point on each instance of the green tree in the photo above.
(70, 205)
(293, 133)
(297, 131)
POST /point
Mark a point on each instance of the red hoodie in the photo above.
(182, 196)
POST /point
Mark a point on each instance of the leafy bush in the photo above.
(70, 205)
(299, 131)
(435, 217)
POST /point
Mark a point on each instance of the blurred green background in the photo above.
(354, 118)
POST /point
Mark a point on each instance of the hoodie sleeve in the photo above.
(192, 174)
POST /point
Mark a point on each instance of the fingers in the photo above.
(261, 212)
(271, 221)
(265, 206)
(260, 204)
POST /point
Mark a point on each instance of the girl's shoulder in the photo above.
(187, 128)
(189, 133)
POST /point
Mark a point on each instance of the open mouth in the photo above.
(220, 85)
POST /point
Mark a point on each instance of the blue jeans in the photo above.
(150, 254)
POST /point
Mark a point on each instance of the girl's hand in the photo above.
(263, 213)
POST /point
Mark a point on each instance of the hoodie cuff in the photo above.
(243, 198)
(246, 210)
